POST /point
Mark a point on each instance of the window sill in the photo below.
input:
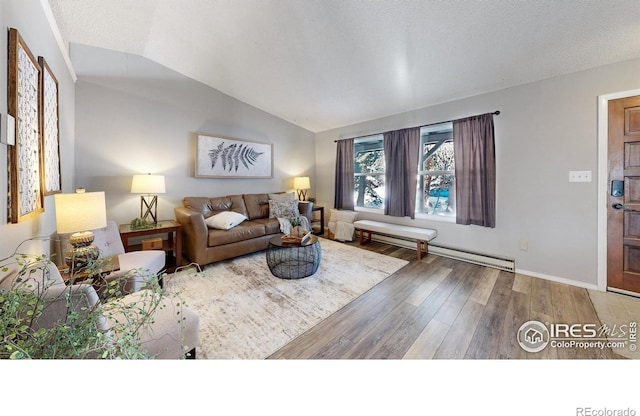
(419, 216)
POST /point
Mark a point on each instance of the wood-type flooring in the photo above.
(440, 308)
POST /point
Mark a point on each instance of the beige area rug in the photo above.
(247, 313)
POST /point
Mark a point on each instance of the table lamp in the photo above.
(149, 186)
(79, 213)
(301, 184)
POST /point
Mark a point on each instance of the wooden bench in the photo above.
(421, 235)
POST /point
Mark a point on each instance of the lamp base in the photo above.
(302, 194)
(82, 252)
(149, 207)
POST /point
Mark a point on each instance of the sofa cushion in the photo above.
(271, 225)
(282, 196)
(245, 231)
(283, 209)
(225, 220)
(199, 204)
(257, 205)
(211, 206)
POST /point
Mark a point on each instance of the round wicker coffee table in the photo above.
(293, 260)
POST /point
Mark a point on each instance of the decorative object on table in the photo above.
(148, 186)
(141, 224)
(224, 157)
(25, 157)
(152, 244)
(51, 180)
(302, 184)
(311, 199)
(79, 213)
(297, 229)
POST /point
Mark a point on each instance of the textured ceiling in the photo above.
(323, 64)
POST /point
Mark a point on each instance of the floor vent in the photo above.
(483, 259)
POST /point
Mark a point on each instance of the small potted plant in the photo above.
(296, 229)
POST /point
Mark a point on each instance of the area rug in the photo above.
(247, 313)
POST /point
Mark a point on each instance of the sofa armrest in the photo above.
(306, 209)
(195, 234)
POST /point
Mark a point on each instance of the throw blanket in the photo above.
(342, 231)
(285, 225)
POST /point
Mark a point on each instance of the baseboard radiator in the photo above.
(483, 259)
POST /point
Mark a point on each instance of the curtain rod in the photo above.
(497, 112)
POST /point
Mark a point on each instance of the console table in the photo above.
(172, 245)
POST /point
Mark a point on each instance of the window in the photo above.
(436, 171)
(369, 168)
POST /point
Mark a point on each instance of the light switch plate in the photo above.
(580, 176)
(7, 130)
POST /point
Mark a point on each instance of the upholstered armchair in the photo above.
(170, 331)
(136, 265)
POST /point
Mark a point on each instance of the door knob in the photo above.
(617, 206)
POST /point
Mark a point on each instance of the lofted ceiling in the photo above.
(323, 64)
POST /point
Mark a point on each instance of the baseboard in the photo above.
(482, 259)
(557, 279)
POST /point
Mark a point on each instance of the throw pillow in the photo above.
(343, 216)
(283, 209)
(225, 220)
(282, 197)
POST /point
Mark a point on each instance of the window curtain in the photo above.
(401, 148)
(474, 149)
(345, 181)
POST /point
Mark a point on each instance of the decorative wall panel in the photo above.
(25, 157)
(51, 180)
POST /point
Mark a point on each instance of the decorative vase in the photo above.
(296, 231)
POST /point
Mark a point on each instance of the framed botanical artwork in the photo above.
(50, 128)
(25, 157)
(224, 157)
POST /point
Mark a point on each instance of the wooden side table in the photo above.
(321, 220)
(107, 265)
(172, 245)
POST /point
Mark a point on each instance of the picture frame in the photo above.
(26, 196)
(226, 157)
(50, 128)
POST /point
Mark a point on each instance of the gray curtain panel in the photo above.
(401, 149)
(345, 181)
(474, 149)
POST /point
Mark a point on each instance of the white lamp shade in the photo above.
(147, 184)
(80, 212)
(301, 182)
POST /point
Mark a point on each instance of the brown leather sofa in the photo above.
(204, 245)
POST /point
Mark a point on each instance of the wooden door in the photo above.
(623, 213)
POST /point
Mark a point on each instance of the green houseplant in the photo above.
(28, 303)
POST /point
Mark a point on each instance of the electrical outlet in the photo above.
(580, 176)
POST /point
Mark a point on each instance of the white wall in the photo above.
(136, 116)
(29, 18)
(545, 129)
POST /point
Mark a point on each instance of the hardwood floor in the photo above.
(440, 308)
